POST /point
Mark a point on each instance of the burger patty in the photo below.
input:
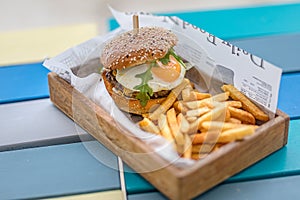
(121, 90)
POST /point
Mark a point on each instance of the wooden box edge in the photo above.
(179, 180)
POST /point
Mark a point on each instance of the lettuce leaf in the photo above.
(145, 91)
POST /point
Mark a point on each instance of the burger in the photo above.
(140, 68)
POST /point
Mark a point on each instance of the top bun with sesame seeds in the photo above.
(140, 68)
(137, 47)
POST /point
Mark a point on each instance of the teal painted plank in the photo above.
(289, 94)
(284, 162)
(57, 170)
(18, 131)
(281, 163)
(134, 182)
(243, 22)
(275, 189)
(23, 82)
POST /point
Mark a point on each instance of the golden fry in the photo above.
(218, 112)
(197, 112)
(195, 156)
(149, 126)
(209, 136)
(208, 101)
(212, 136)
(186, 94)
(234, 120)
(183, 124)
(178, 136)
(199, 95)
(194, 126)
(235, 104)
(219, 97)
(242, 115)
(187, 147)
(191, 119)
(223, 126)
(164, 127)
(198, 104)
(169, 100)
(224, 117)
(236, 134)
(246, 103)
(189, 95)
(210, 125)
(198, 138)
(179, 107)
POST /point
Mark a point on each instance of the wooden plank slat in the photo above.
(289, 94)
(23, 82)
(275, 189)
(36, 123)
(57, 170)
(107, 195)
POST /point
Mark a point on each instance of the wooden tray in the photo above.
(175, 183)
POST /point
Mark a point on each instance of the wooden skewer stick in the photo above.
(135, 19)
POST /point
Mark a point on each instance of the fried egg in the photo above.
(164, 78)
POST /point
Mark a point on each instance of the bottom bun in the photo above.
(131, 105)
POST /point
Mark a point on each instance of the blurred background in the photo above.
(31, 30)
(27, 14)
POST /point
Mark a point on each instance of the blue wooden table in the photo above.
(44, 154)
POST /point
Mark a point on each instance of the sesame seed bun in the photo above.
(134, 48)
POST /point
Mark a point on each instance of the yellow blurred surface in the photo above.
(107, 195)
(37, 44)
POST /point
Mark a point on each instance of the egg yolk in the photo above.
(169, 72)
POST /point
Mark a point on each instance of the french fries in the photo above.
(199, 138)
(246, 103)
(208, 101)
(197, 112)
(187, 147)
(198, 123)
(236, 134)
(169, 100)
(234, 120)
(210, 125)
(149, 126)
(235, 104)
(175, 130)
(242, 115)
(199, 95)
(215, 114)
(179, 107)
(189, 95)
(164, 128)
(184, 125)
